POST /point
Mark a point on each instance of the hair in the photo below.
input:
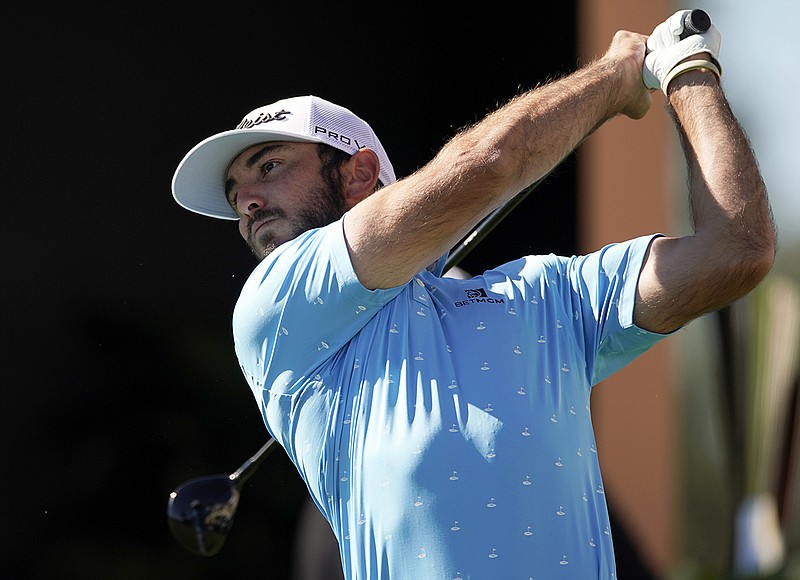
(332, 160)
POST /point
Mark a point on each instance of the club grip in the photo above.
(695, 22)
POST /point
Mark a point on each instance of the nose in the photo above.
(249, 199)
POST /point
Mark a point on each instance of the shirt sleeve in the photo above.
(298, 308)
(599, 291)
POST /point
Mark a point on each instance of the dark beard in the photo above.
(327, 206)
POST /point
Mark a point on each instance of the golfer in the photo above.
(443, 426)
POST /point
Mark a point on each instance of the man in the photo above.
(443, 426)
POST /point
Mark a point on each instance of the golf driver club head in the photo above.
(200, 513)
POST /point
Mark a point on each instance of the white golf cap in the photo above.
(199, 181)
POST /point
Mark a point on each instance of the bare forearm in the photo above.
(418, 219)
(534, 132)
(727, 194)
(733, 244)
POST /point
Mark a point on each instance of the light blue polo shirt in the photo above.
(443, 427)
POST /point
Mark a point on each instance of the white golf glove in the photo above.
(666, 50)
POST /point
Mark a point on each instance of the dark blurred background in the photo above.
(120, 377)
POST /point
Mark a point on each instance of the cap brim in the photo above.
(199, 181)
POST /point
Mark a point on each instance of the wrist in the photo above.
(692, 77)
(700, 71)
(626, 92)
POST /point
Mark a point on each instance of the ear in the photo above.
(361, 176)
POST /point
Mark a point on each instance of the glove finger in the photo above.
(708, 42)
(675, 24)
(668, 32)
(648, 76)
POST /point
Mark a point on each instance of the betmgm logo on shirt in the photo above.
(477, 296)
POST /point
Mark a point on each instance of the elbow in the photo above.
(754, 260)
(757, 269)
(764, 246)
(763, 261)
(481, 162)
(751, 244)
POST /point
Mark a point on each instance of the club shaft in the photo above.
(250, 466)
(483, 229)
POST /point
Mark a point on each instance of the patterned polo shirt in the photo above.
(443, 427)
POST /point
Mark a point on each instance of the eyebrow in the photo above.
(252, 160)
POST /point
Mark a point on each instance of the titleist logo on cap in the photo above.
(340, 140)
(263, 118)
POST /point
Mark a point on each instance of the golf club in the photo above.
(200, 511)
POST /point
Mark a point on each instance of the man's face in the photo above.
(278, 190)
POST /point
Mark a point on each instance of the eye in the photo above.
(268, 166)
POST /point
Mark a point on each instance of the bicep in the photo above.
(684, 278)
(401, 229)
(665, 292)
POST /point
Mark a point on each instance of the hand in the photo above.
(666, 50)
(627, 51)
